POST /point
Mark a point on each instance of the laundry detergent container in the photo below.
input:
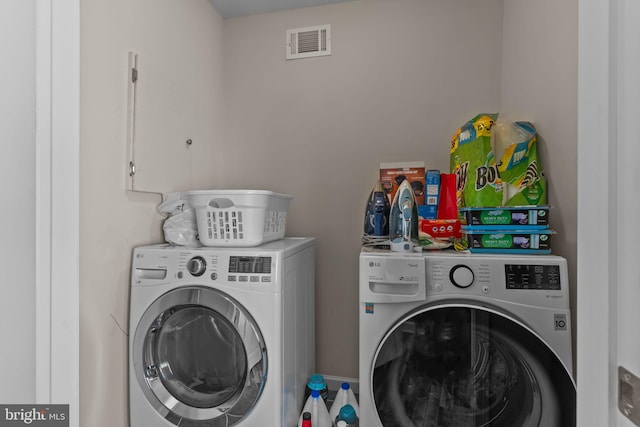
(239, 217)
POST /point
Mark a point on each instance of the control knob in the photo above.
(461, 276)
(197, 266)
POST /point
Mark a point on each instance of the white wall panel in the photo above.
(17, 215)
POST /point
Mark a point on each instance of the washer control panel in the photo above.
(533, 276)
(540, 279)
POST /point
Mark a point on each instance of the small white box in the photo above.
(239, 217)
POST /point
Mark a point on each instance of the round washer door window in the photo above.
(199, 357)
(460, 366)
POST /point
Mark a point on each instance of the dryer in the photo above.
(221, 336)
(455, 339)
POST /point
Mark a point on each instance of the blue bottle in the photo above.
(316, 382)
(348, 415)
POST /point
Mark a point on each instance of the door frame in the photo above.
(597, 340)
(57, 203)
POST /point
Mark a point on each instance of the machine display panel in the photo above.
(250, 264)
(527, 276)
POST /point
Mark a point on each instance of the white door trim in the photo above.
(43, 202)
(597, 200)
(57, 203)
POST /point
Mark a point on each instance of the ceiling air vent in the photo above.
(308, 42)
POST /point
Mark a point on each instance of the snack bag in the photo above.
(519, 166)
(477, 181)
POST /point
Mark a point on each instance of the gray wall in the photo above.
(402, 77)
(540, 84)
(113, 221)
(17, 173)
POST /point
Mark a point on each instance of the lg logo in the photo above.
(560, 322)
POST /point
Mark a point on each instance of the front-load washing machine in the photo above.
(457, 339)
(221, 336)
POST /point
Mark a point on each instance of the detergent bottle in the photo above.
(345, 396)
(348, 416)
(306, 419)
(316, 382)
(318, 410)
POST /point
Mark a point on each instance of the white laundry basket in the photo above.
(239, 217)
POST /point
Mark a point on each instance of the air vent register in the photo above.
(309, 42)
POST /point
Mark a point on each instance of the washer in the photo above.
(221, 336)
(457, 339)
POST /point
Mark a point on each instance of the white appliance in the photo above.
(221, 336)
(457, 339)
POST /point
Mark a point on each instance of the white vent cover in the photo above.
(309, 41)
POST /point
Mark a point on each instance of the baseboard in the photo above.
(334, 383)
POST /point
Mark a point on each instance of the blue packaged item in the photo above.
(432, 195)
(509, 240)
(505, 217)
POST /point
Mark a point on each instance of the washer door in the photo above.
(454, 366)
(199, 358)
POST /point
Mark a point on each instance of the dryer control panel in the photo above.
(231, 268)
(239, 268)
(249, 268)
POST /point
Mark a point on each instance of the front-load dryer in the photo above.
(221, 336)
(457, 339)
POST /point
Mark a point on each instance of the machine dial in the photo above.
(461, 276)
(197, 266)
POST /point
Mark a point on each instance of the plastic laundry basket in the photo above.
(239, 217)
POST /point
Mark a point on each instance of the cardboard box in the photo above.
(509, 240)
(442, 228)
(393, 173)
(523, 217)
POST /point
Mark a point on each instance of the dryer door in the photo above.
(199, 358)
(457, 365)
